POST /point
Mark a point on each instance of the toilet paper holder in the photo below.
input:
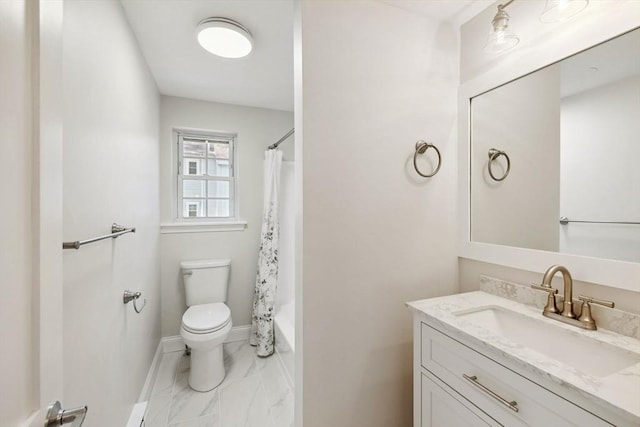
(133, 296)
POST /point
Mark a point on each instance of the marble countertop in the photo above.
(618, 392)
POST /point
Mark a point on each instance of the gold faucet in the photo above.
(566, 314)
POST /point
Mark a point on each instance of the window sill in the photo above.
(202, 227)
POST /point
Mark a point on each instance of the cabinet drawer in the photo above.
(443, 407)
(491, 386)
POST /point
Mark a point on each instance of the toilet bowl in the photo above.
(207, 321)
(204, 329)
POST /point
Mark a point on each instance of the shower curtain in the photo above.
(267, 277)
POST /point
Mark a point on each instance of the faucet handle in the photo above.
(544, 288)
(591, 300)
(585, 313)
(551, 299)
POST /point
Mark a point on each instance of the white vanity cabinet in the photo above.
(442, 406)
(456, 385)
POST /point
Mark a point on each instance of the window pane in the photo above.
(219, 150)
(193, 166)
(193, 188)
(193, 208)
(219, 208)
(218, 189)
(192, 148)
(218, 167)
(206, 157)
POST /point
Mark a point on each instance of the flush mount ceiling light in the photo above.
(501, 39)
(224, 37)
(559, 10)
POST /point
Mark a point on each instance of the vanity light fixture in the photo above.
(224, 37)
(560, 10)
(501, 39)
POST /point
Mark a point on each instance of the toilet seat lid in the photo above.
(204, 318)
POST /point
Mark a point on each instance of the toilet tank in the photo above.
(205, 281)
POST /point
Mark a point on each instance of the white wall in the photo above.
(529, 132)
(256, 129)
(600, 129)
(376, 79)
(111, 110)
(17, 397)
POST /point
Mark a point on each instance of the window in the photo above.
(206, 181)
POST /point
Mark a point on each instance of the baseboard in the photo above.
(175, 343)
(137, 414)
(151, 375)
(170, 344)
(239, 333)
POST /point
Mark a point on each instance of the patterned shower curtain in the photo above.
(267, 277)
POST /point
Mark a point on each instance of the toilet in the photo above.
(207, 321)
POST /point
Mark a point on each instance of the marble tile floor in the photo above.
(254, 393)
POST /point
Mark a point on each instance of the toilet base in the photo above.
(207, 369)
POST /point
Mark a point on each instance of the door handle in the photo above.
(56, 416)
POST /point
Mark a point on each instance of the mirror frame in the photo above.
(607, 272)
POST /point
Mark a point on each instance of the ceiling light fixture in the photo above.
(501, 39)
(560, 10)
(224, 37)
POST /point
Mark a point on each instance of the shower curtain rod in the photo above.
(281, 140)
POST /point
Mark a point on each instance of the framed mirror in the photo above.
(563, 175)
(548, 163)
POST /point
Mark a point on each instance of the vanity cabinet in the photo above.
(442, 406)
(456, 385)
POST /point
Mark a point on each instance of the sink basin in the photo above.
(585, 354)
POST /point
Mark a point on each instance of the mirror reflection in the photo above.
(554, 156)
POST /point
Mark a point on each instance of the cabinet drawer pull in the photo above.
(513, 405)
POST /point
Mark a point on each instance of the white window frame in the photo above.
(182, 223)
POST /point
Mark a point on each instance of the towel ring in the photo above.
(494, 153)
(421, 148)
(129, 296)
